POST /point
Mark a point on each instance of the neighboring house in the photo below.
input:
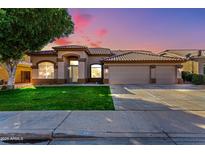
(200, 58)
(195, 59)
(23, 72)
(79, 64)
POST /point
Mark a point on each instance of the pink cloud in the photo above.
(101, 32)
(63, 41)
(81, 21)
(86, 38)
(95, 44)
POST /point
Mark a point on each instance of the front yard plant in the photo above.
(197, 79)
(187, 76)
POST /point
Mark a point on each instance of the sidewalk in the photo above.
(54, 125)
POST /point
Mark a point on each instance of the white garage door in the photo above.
(165, 75)
(129, 74)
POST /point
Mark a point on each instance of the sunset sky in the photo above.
(148, 29)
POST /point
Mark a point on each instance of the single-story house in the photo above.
(195, 59)
(80, 64)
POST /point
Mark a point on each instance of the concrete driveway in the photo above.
(158, 97)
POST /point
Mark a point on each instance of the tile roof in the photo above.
(186, 53)
(118, 52)
(70, 47)
(99, 51)
(141, 57)
(44, 52)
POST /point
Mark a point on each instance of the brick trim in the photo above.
(106, 81)
(82, 80)
(95, 80)
(61, 81)
(48, 81)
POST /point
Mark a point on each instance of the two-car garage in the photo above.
(142, 68)
(141, 74)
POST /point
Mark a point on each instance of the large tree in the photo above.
(28, 30)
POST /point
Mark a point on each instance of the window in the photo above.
(25, 76)
(96, 71)
(74, 62)
(46, 70)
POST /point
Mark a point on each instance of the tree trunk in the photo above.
(11, 69)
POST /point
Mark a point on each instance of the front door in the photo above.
(73, 71)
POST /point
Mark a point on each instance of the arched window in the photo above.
(96, 71)
(46, 70)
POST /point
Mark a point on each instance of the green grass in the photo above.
(57, 98)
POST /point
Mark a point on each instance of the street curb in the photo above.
(86, 134)
(49, 134)
(26, 134)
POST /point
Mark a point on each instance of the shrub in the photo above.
(187, 76)
(198, 79)
(184, 74)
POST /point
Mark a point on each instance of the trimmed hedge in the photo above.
(187, 76)
(184, 75)
(197, 79)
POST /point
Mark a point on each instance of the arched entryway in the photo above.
(72, 67)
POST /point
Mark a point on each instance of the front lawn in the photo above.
(57, 98)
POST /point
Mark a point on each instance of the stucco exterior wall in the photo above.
(34, 74)
(82, 57)
(93, 60)
(82, 54)
(201, 65)
(21, 68)
(114, 73)
(4, 75)
(191, 66)
(36, 59)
